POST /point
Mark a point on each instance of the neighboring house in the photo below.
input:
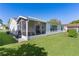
(71, 26)
(2, 27)
(12, 24)
(29, 26)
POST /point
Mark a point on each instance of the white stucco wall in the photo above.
(59, 28)
(65, 28)
(13, 26)
(47, 27)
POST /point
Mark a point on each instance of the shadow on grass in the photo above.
(23, 50)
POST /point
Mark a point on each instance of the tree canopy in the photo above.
(9, 21)
(1, 22)
(75, 22)
(54, 22)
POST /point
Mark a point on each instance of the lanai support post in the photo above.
(24, 37)
(27, 30)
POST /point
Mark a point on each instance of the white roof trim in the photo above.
(22, 17)
(37, 19)
(32, 18)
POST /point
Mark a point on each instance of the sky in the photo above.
(65, 12)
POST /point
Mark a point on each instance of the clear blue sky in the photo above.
(64, 12)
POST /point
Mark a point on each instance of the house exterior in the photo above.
(12, 25)
(29, 26)
(26, 27)
(71, 26)
(2, 27)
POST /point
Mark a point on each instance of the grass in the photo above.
(6, 38)
(52, 45)
(59, 44)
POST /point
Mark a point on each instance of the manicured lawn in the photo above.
(6, 38)
(52, 45)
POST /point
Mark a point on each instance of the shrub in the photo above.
(23, 50)
(72, 33)
(8, 32)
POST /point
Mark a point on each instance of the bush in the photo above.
(23, 50)
(72, 33)
(8, 32)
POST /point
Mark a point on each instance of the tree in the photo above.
(75, 22)
(1, 22)
(9, 21)
(55, 22)
(5, 26)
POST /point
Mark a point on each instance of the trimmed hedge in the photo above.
(72, 33)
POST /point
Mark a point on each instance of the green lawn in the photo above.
(52, 45)
(6, 38)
